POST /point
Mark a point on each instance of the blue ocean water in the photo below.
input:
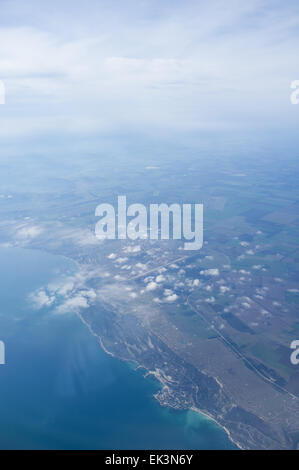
(59, 390)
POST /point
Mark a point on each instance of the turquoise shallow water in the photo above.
(59, 390)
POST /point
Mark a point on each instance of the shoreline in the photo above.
(148, 372)
(197, 410)
(160, 380)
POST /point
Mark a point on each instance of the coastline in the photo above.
(197, 410)
(161, 381)
(158, 376)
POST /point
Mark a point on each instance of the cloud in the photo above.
(224, 289)
(41, 299)
(141, 266)
(117, 277)
(167, 292)
(246, 304)
(90, 294)
(28, 232)
(85, 238)
(81, 237)
(74, 304)
(168, 65)
(151, 286)
(65, 288)
(132, 249)
(210, 272)
(121, 260)
(68, 294)
(171, 298)
(133, 295)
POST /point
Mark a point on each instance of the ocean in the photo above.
(60, 390)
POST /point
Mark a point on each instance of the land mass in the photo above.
(214, 326)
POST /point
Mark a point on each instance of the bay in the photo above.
(60, 390)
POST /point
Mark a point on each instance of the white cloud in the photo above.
(41, 299)
(132, 249)
(28, 232)
(65, 289)
(74, 304)
(246, 304)
(147, 64)
(68, 294)
(141, 266)
(167, 292)
(151, 286)
(224, 289)
(171, 298)
(121, 260)
(162, 270)
(133, 295)
(210, 272)
(90, 294)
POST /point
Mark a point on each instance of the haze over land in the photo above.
(165, 102)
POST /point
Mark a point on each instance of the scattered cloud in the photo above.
(210, 272)
(171, 298)
(41, 299)
(151, 286)
(28, 232)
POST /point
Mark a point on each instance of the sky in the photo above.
(94, 67)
